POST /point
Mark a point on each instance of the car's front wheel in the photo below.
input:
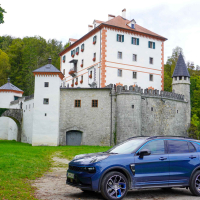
(195, 184)
(114, 186)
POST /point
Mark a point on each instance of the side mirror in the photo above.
(144, 152)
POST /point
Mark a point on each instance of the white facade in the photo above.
(46, 116)
(126, 63)
(88, 64)
(107, 48)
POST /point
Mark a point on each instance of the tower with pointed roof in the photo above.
(46, 105)
(181, 83)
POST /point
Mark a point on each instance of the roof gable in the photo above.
(10, 87)
(121, 22)
(47, 68)
(181, 68)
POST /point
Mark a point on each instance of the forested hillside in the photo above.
(19, 57)
(194, 71)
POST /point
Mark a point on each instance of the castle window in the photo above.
(175, 78)
(180, 77)
(150, 60)
(45, 114)
(134, 57)
(45, 101)
(82, 47)
(152, 45)
(119, 55)
(63, 71)
(135, 41)
(77, 103)
(132, 25)
(120, 38)
(119, 72)
(26, 107)
(94, 103)
(46, 84)
(94, 39)
(82, 78)
(134, 75)
(29, 106)
(64, 59)
(33, 105)
(133, 106)
(177, 111)
(150, 77)
(185, 78)
(151, 108)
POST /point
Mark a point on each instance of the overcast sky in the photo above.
(177, 20)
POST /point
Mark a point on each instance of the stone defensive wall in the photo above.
(149, 112)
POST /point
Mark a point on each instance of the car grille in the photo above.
(78, 169)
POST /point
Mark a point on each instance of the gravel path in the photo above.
(52, 186)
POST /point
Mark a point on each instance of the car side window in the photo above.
(191, 147)
(156, 147)
(175, 146)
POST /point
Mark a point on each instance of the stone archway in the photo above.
(16, 115)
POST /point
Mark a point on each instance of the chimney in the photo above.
(90, 27)
(124, 13)
(49, 60)
(111, 17)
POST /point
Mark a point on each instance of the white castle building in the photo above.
(97, 107)
(118, 51)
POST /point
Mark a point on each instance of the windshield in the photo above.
(127, 147)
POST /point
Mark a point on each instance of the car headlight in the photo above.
(98, 158)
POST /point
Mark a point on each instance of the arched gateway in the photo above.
(16, 115)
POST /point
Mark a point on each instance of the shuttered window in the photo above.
(135, 41)
(120, 38)
(77, 103)
(151, 45)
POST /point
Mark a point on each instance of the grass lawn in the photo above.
(20, 163)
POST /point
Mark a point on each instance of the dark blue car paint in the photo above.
(150, 171)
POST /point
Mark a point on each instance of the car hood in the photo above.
(86, 159)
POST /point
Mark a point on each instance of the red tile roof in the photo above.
(73, 40)
(121, 22)
(98, 21)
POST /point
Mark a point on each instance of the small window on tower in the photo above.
(46, 101)
(46, 84)
(180, 77)
(175, 78)
(185, 78)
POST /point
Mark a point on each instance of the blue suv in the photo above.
(139, 162)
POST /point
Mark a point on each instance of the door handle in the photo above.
(192, 157)
(162, 158)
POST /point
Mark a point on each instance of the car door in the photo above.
(152, 170)
(183, 159)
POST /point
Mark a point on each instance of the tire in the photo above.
(195, 181)
(114, 186)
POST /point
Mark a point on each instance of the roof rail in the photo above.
(137, 137)
(169, 136)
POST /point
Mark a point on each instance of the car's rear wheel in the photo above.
(114, 186)
(195, 184)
